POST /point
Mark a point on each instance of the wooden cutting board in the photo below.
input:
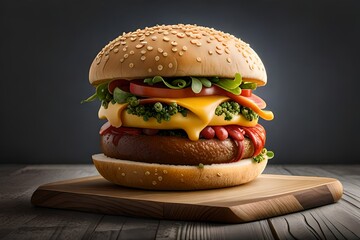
(267, 196)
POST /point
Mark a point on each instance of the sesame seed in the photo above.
(132, 52)
(157, 58)
(154, 38)
(166, 33)
(182, 175)
(218, 51)
(193, 41)
(154, 182)
(124, 49)
(160, 50)
(143, 42)
(174, 49)
(160, 178)
(123, 43)
(121, 60)
(149, 70)
(181, 53)
(170, 66)
(150, 48)
(227, 50)
(116, 50)
(147, 173)
(119, 168)
(210, 52)
(166, 39)
(123, 174)
(173, 32)
(141, 38)
(198, 59)
(133, 39)
(218, 47)
(131, 65)
(174, 43)
(165, 54)
(139, 46)
(98, 60)
(143, 58)
(180, 35)
(218, 174)
(228, 60)
(160, 67)
(165, 171)
(184, 48)
(143, 51)
(126, 55)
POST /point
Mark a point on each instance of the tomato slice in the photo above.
(246, 92)
(138, 88)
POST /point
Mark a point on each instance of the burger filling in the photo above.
(191, 108)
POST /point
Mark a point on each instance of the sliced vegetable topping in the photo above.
(230, 85)
(264, 153)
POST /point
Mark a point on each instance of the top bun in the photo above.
(175, 51)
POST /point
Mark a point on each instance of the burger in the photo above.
(180, 109)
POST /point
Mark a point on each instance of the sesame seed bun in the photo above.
(175, 51)
(176, 177)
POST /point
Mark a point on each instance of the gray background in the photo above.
(310, 50)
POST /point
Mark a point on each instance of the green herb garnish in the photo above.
(231, 85)
(102, 93)
(158, 110)
(263, 154)
(173, 84)
(231, 108)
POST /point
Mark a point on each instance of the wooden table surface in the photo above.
(20, 220)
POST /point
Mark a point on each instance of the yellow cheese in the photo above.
(201, 114)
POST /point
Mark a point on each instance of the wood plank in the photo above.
(17, 214)
(268, 195)
(108, 228)
(336, 221)
(329, 222)
(139, 228)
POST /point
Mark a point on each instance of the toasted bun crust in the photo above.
(176, 177)
(173, 150)
(176, 50)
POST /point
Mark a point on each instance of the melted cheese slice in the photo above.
(201, 113)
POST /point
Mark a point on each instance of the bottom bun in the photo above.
(177, 177)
